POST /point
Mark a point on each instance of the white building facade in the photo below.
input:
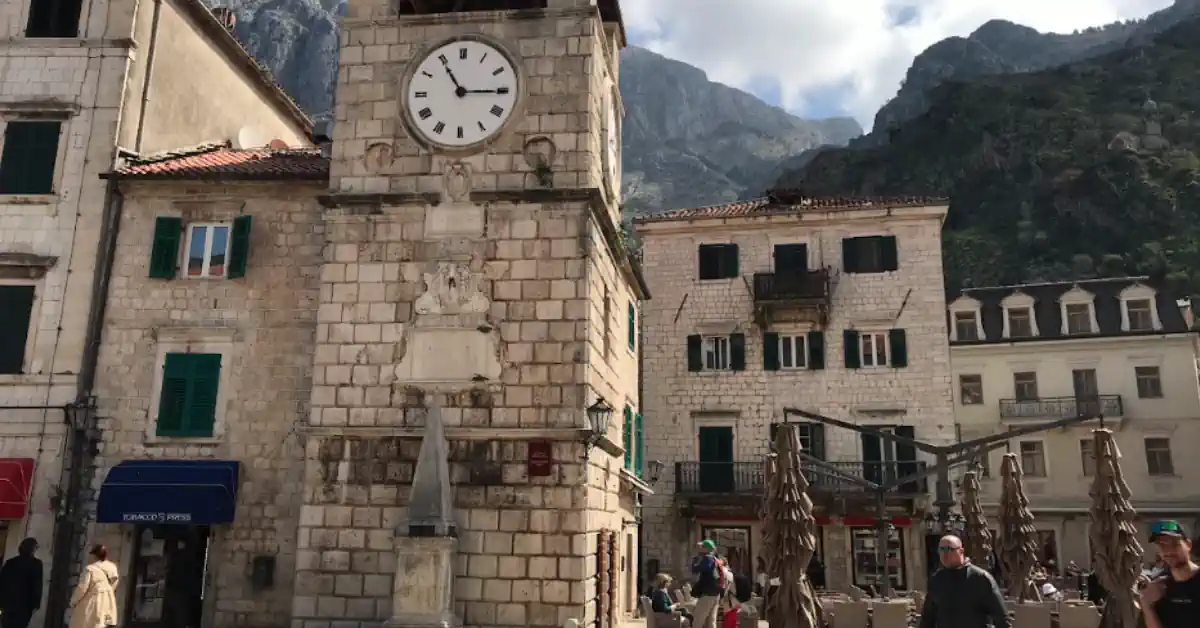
(828, 306)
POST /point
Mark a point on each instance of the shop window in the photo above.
(867, 570)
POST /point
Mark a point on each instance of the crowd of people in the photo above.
(93, 603)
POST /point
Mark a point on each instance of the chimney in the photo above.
(322, 135)
(226, 17)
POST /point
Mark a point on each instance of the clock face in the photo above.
(462, 93)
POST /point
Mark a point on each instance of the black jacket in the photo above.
(963, 597)
(21, 585)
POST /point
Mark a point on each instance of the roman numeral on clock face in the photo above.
(425, 113)
(460, 132)
(497, 110)
(498, 71)
(462, 53)
(439, 127)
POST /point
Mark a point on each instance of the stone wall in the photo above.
(264, 327)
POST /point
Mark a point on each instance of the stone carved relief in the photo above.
(379, 157)
(452, 289)
(458, 182)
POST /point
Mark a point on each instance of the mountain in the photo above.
(686, 140)
(1001, 47)
(1066, 173)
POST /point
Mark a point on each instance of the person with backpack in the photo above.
(710, 587)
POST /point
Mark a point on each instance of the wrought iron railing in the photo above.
(1061, 407)
(792, 286)
(747, 478)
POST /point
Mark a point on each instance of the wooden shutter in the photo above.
(849, 255)
(888, 253)
(851, 349)
(627, 436)
(791, 258)
(770, 351)
(201, 415)
(164, 254)
(16, 309)
(639, 446)
(737, 352)
(172, 400)
(906, 456)
(695, 355)
(872, 449)
(632, 327)
(29, 158)
(239, 247)
(709, 256)
(729, 261)
(816, 350)
(816, 437)
(898, 345)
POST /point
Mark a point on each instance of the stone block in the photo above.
(1032, 615)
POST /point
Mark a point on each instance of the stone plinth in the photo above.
(423, 590)
(889, 614)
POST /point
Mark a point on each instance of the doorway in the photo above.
(716, 459)
(169, 568)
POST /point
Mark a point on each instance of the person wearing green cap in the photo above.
(1173, 599)
(710, 585)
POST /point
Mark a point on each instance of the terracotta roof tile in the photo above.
(786, 202)
(220, 162)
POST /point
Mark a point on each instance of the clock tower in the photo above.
(475, 271)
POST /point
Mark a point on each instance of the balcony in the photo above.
(1049, 408)
(747, 478)
(792, 287)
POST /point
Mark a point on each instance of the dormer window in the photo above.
(966, 325)
(1019, 321)
(1139, 313)
(1078, 318)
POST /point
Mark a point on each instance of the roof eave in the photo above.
(217, 178)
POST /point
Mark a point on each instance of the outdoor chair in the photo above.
(661, 620)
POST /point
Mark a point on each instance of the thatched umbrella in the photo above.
(977, 538)
(1018, 537)
(788, 535)
(1117, 554)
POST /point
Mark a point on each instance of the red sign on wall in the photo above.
(540, 460)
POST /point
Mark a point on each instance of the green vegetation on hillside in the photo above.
(1052, 175)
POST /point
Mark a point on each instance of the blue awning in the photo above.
(183, 492)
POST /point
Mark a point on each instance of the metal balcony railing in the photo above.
(811, 285)
(747, 478)
(1061, 407)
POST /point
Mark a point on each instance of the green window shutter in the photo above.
(816, 438)
(816, 350)
(709, 261)
(627, 437)
(164, 254)
(639, 446)
(632, 327)
(849, 255)
(729, 261)
(737, 352)
(16, 308)
(239, 247)
(201, 416)
(29, 158)
(770, 351)
(172, 401)
(695, 357)
(899, 348)
(888, 253)
(851, 349)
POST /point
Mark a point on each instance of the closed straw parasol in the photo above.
(977, 538)
(788, 535)
(1117, 554)
(1018, 537)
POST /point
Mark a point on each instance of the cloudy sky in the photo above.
(836, 57)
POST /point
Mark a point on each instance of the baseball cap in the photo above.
(708, 545)
(1166, 528)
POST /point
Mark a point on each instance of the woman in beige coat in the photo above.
(94, 604)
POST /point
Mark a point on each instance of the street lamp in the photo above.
(599, 414)
(654, 469)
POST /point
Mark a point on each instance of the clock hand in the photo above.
(501, 90)
(458, 89)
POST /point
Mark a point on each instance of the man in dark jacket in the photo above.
(708, 588)
(962, 595)
(20, 586)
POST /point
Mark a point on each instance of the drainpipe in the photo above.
(81, 422)
(141, 125)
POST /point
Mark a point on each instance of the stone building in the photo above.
(82, 83)
(834, 307)
(1035, 353)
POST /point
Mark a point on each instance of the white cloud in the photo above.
(813, 46)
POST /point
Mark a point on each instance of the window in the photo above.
(718, 261)
(16, 312)
(29, 158)
(1033, 458)
(870, 254)
(1149, 382)
(1025, 386)
(966, 326)
(970, 389)
(1158, 457)
(716, 353)
(1020, 322)
(981, 465)
(794, 351)
(212, 250)
(812, 440)
(54, 18)
(1140, 314)
(188, 402)
(632, 328)
(791, 258)
(1079, 318)
(875, 348)
(627, 436)
(1087, 456)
